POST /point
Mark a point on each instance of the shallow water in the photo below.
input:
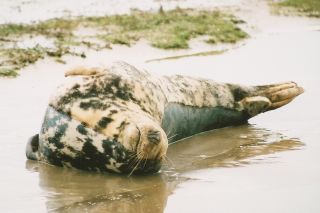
(269, 165)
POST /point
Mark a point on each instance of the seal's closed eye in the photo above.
(130, 137)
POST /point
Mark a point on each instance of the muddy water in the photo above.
(269, 165)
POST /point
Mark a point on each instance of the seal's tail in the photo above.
(270, 97)
(33, 147)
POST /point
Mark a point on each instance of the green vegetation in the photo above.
(170, 30)
(306, 7)
(166, 30)
(8, 72)
(16, 58)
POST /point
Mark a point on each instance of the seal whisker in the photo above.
(135, 158)
(131, 156)
(133, 162)
(171, 137)
(169, 133)
(145, 161)
(135, 167)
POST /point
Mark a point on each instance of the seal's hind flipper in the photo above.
(32, 148)
(280, 94)
(269, 97)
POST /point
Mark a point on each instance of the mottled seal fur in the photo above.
(120, 119)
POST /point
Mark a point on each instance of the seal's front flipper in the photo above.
(254, 105)
(32, 148)
(84, 71)
(269, 97)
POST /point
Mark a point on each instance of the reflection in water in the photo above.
(77, 191)
(71, 190)
(227, 147)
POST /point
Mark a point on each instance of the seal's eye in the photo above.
(130, 137)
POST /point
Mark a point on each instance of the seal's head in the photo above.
(147, 142)
(140, 135)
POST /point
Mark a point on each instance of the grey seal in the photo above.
(120, 119)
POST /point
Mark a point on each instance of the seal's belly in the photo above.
(181, 121)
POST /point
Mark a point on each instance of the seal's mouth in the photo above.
(144, 166)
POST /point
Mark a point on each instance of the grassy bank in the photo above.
(165, 30)
(304, 7)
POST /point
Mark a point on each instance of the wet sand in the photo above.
(269, 165)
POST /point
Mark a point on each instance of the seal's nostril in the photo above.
(154, 136)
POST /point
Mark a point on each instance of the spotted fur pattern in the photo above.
(67, 142)
(112, 119)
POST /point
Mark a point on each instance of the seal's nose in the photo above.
(154, 136)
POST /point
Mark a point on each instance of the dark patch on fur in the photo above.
(101, 89)
(52, 157)
(82, 130)
(88, 148)
(68, 113)
(73, 149)
(115, 149)
(185, 84)
(113, 111)
(60, 131)
(144, 109)
(122, 125)
(238, 93)
(56, 157)
(93, 104)
(104, 121)
(68, 98)
(106, 144)
(76, 86)
(182, 90)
